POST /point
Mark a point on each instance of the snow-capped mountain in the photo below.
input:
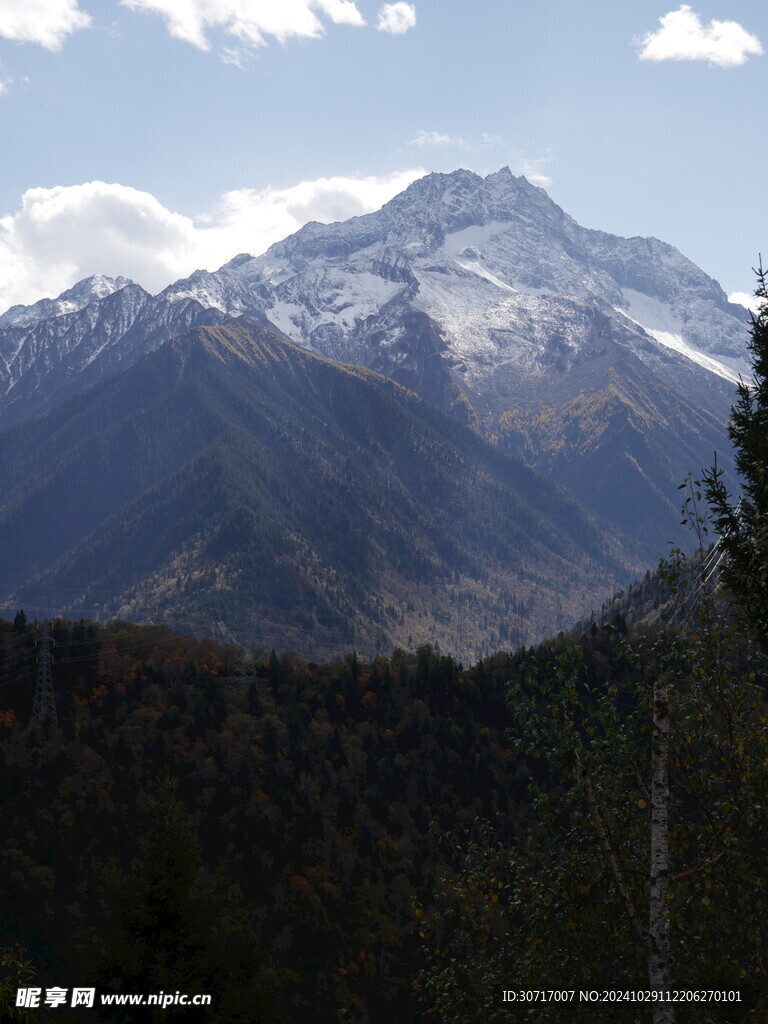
(509, 279)
(487, 276)
(609, 363)
(479, 293)
(82, 294)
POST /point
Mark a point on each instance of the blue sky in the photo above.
(150, 137)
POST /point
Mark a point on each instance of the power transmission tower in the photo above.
(461, 639)
(242, 671)
(146, 615)
(44, 704)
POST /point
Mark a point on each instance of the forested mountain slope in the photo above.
(231, 481)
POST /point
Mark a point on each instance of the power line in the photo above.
(682, 610)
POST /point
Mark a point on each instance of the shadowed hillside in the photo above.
(233, 483)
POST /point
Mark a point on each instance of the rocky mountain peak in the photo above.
(97, 286)
(462, 197)
(235, 262)
(415, 222)
(80, 295)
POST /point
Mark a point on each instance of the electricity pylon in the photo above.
(44, 705)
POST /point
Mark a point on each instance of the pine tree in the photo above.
(178, 927)
(743, 527)
(158, 938)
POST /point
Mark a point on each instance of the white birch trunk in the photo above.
(658, 916)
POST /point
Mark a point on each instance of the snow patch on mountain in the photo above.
(477, 268)
(663, 324)
(474, 235)
(675, 342)
(306, 306)
(651, 313)
(290, 318)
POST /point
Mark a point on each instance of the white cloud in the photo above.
(396, 18)
(12, 83)
(682, 36)
(424, 138)
(250, 21)
(63, 234)
(237, 56)
(250, 220)
(46, 22)
(747, 299)
(533, 169)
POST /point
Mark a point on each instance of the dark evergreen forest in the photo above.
(396, 840)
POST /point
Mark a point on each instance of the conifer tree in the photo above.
(159, 937)
(743, 527)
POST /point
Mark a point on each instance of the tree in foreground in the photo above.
(743, 526)
(642, 865)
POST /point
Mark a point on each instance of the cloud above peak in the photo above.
(683, 36)
(45, 22)
(424, 138)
